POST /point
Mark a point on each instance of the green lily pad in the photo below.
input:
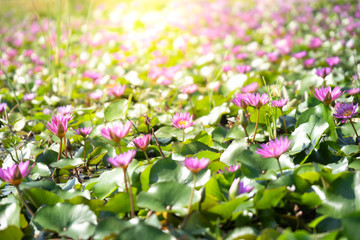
(67, 163)
(75, 221)
(165, 196)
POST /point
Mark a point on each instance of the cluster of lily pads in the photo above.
(194, 119)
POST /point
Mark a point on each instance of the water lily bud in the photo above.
(234, 188)
(243, 119)
(328, 98)
(238, 187)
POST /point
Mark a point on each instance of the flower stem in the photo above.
(246, 133)
(247, 114)
(59, 149)
(119, 146)
(192, 195)
(257, 123)
(148, 123)
(192, 106)
(125, 181)
(132, 213)
(278, 161)
(283, 117)
(147, 157)
(65, 143)
(352, 124)
(183, 134)
(85, 164)
(25, 204)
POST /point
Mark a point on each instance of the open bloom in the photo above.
(68, 109)
(353, 91)
(16, 173)
(96, 95)
(116, 132)
(280, 103)
(231, 168)
(240, 100)
(189, 89)
(298, 55)
(252, 87)
(123, 160)
(83, 131)
(332, 61)
(29, 96)
(257, 100)
(309, 62)
(117, 90)
(142, 142)
(327, 95)
(195, 165)
(274, 148)
(345, 111)
(243, 68)
(182, 120)
(59, 124)
(315, 42)
(323, 72)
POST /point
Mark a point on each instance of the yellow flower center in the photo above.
(183, 123)
(347, 113)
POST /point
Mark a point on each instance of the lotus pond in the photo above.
(215, 119)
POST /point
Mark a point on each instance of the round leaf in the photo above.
(75, 221)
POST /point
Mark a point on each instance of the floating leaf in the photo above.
(75, 221)
(166, 195)
(9, 215)
(68, 163)
(116, 110)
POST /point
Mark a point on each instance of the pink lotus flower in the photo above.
(280, 103)
(189, 89)
(83, 131)
(323, 72)
(231, 168)
(195, 165)
(38, 82)
(273, 56)
(116, 132)
(93, 75)
(327, 95)
(59, 125)
(252, 87)
(298, 55)
(315, 42)
(16, 173)
(182, 120)
(123, 160)
(96, 95)
(257, 100)
(240, 100)
(274, 148)
(242, 56)
(227, 68)
(333, 61)
(29, 96)
(3, 107)
(243, 68)
(142, 142)
(309, 62)
(117, 90)
(68, 109)
(353, 91)
(345, 111)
